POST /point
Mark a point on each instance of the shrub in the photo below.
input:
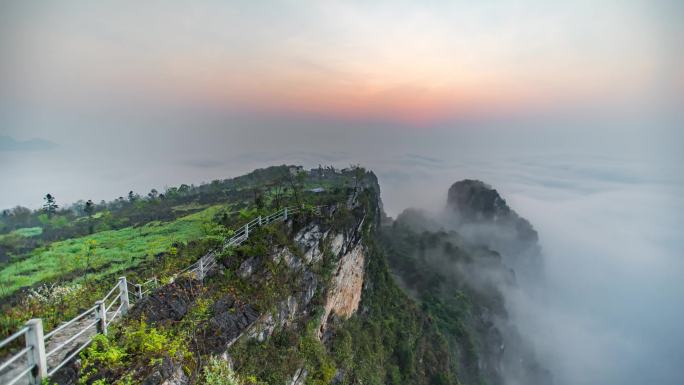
(151, 342)
(139, 343)
(29, 231)
(102, 353)
(218, 372)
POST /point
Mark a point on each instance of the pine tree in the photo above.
(50, 207)
(89, 209)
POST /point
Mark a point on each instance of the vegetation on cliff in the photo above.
(311, 300)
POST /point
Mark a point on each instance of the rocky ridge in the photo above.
(312, 301)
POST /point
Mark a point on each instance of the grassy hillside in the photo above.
(103, 253)
(55, 273)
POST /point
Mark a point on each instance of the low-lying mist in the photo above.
(607, 307)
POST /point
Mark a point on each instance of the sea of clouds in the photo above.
(609, 310)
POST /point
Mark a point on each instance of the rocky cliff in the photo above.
(478, 212)
(313, 301)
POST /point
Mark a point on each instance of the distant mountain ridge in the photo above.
(8, 143)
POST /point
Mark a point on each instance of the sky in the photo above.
(417, 63)
(174, 88)
(571, 109)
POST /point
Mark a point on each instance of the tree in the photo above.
(77, 207)
(21, 217)
(215, 186)
(184, 189)
(153, 194)
(258, 198)
(50, 207)
(89, 209)
(89, 251)
(171, 192)
(359, 173)
(131, 196)
(278, 191)
(297, 184)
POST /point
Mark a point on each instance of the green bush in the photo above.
(218, 372)
(152, 343)
(103, 353)
(103, 350)
(138, 343)
(29, 231)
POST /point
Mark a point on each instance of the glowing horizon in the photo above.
(399, 60)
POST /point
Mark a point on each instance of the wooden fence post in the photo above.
(35, 339)
(101, 316)
(138, 289)
(123, 295)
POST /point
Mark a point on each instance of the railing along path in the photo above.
(44, 354)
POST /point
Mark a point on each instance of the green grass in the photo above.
(29, 231)
(189, 207)
(103, 253)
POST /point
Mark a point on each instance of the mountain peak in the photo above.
(483, 215)
(475, 201)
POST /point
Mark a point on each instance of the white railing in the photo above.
(33, 363)
(142, 289)
(203, 265)
(32, 333)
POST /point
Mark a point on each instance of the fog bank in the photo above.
(608, 310)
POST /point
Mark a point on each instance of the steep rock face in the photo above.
(229, 320)
(291, 307)
(344, 294)
(328, 260)
(309, 240)
(344, 291)
(168, 373)
(299, 377)
(168, 304)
